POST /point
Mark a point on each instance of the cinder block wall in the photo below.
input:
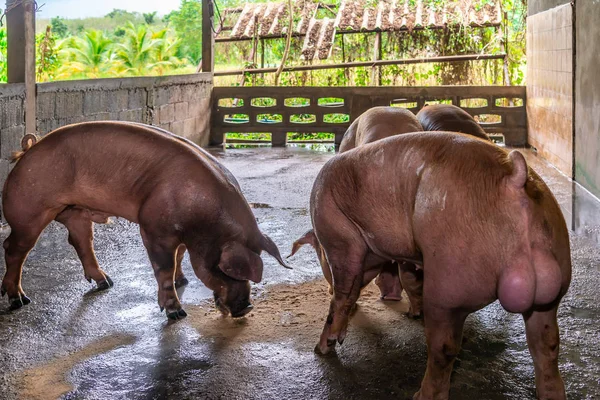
(180, 104)
(550, 85)
(12, 124)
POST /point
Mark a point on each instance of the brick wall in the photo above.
(550, 85)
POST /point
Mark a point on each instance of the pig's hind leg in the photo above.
(543, 339)
(347, 270)
(25, 230)
(443, 330)
(162, 249)
(81, 237)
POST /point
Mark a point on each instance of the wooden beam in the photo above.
(208, 38)
(375, 70)
(354, 31)
(20, 19)
(366, 64)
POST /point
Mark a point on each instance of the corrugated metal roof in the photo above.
(271, 20)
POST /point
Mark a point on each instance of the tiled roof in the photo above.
(271, 19)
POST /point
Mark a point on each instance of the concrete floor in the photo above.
(73, 343)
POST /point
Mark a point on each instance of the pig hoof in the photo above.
(324, 352)
(2, 291)
(105, 284)
(243, 312)
(87, 278)
(18, 302)
(175, 315)
(413, 315)
(388, 297)
(181, 282)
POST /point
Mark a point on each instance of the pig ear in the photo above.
(239, 262)
(308, 238)
(518, 177)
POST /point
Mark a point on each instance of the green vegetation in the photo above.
(126, 43)
(3, 49)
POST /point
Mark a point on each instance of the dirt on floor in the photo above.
(284, 312)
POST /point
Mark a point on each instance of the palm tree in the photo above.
(165, 54)
(137, 52)
(90, 56)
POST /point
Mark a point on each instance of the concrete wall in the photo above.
(537, 6)
(550, 85)
(587, 95)
(12, 123)
(180, 104)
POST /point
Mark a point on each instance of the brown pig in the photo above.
(481, 224)
(378, 123)
(374, 124)
(447, 117)
(179, 195)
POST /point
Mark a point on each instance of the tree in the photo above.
(3, 49)
(137, 52)
(187, 22)
(89, 56)
(118, 13)
(47, 60)
(166, 51)
(150, 17)
(59, 28)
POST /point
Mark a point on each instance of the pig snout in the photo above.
(243, 310)
(234, 299)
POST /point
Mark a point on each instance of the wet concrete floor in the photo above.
(73, 343)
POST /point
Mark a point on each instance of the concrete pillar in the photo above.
(208, 38)
(20, 23)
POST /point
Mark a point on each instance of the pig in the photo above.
(447, 117)
(378, 123)
(181, 197)
(374, 124)
(479, 223)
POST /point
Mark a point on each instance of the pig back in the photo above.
(447, 117)
(382, 122)
(390, 186)
(110, 166)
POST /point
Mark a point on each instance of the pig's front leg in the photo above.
(347, 271)
(180, 279)
(388, 282)
(412, 281)
(443, 329)
(543, 340)
(161, 251)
